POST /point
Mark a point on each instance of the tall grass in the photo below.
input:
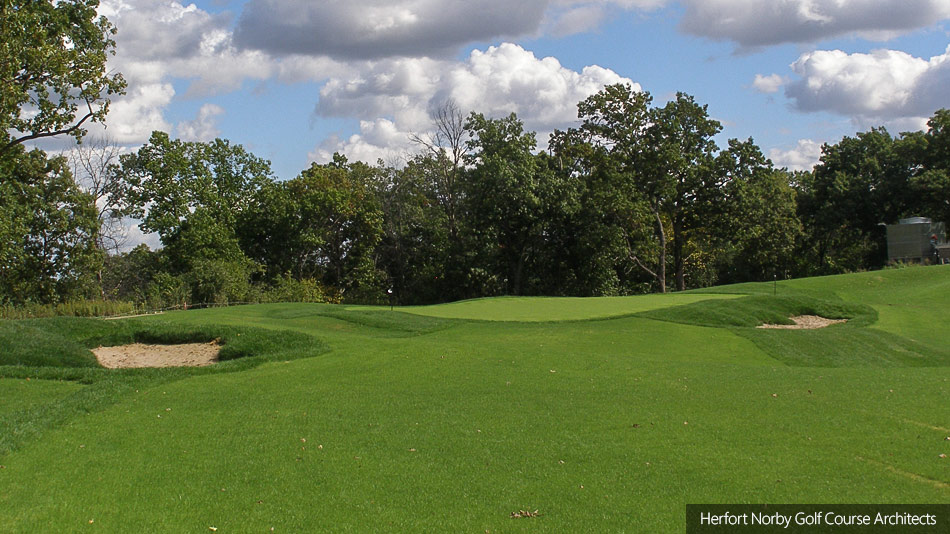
(79, 308)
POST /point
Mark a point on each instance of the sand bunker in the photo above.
(139, 355)
(805, 322)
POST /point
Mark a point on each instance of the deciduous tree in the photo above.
(53, 72)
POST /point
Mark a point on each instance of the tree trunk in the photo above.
(678, 259)
(661, 262)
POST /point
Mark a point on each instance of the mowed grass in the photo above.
(540, 309)
(395, 422)
(21, 394)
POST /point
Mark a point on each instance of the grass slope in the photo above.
(540, 309)
(412, 423)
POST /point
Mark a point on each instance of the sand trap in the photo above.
(139, 355)
(805, 322)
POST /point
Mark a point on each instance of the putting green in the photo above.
(545, 309)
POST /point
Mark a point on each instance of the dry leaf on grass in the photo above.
(525, 513)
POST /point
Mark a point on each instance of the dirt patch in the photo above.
(140, 355)
(805, 322)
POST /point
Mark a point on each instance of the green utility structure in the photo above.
(917, 240)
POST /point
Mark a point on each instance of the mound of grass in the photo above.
(544, 309)
(853, 344)
(32, 344)
(58, 349)
(64, 342)
(755, 310)
(389, 323)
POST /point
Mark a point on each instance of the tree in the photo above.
(677, 168)
(167, 180)
(53, 76)
(48, 231)
(504, 196)
(444, 159)
(323, 225)
(755, 219)
(600, 227)
(929, 155)
(193, 195)
(93, 165)
(617, 122)
(860, 182)
(416, 243)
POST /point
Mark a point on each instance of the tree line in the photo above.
(636, 198)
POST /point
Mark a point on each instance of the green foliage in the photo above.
(195, 193)
(174, 178)
(323, 225)
(288, 289)
(75, 308)
(755, 222)
(53, 75)
(48, 231)
(128, 275)
(419, 251)
(505, 198)
(167, 291)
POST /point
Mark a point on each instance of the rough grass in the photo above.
(413, 423)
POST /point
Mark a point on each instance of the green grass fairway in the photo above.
(21, 394)
(537, 309)
(605, 415)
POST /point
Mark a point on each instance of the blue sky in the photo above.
(296, 80)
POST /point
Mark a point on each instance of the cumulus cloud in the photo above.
(768, 84)
(204, 127)
(395, 96)
(801, 157)
(885, 84)
(378, 139)
(132, 118)
(756, 23)
(161, 42)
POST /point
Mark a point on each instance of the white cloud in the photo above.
(378, 139)
(882, 85)
(802, 157)
(755, 23)
(768, 84)
(204, 127)
(161, 42)
(133, 117)
(393, 96)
